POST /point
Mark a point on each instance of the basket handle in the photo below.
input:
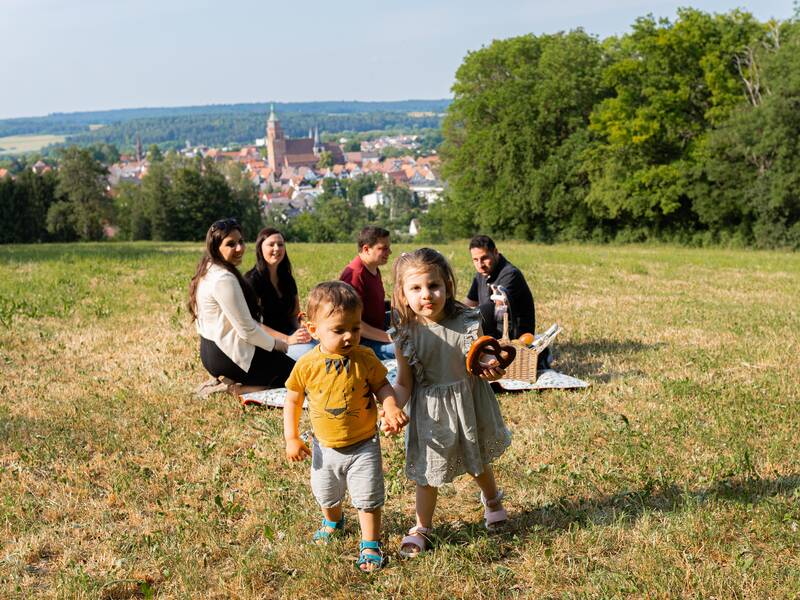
(505, 326)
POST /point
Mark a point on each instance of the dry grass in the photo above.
(676, 474)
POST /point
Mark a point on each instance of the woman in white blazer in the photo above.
(233, 343)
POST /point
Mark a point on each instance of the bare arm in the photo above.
(296, 450)
(470, 303)
(405, 381)
(373, 333)
(296, 311)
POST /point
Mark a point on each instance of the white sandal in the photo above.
(494, 517)
(417, 536)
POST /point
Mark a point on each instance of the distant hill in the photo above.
(220, 124)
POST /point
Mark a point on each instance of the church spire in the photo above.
(138, 147)
(317, 146)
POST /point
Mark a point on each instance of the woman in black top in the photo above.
(275, 287)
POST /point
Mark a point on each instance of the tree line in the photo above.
(685, 131)
(177, 199)
(229, 129)
(60, 123)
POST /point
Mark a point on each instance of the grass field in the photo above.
(20, 144)
(676, 474)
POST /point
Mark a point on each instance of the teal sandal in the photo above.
(376, 560)
(323, 536)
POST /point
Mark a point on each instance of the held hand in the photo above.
(491, 370)
(394, 419)
(281, 346)
(296, 450)
(300, 336)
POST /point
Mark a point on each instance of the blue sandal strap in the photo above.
(369, 545)
(322, 535)
(333, 524)
(376, 559)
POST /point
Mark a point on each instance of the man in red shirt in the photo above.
(363, 274)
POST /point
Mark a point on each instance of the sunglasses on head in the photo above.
(225, 224)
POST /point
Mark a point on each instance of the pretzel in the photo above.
(488, 345)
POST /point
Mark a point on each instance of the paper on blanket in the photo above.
(546, 380)
(275, 398)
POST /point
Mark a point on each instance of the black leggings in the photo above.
(269, 369)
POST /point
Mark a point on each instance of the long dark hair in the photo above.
(286, 283)
(211, 255)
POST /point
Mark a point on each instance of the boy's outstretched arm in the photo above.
(296, 450)
(394, 419)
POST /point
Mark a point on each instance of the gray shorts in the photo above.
(357, 469)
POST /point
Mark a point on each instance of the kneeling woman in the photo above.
(232, 342)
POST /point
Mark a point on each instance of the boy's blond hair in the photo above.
(337, 295)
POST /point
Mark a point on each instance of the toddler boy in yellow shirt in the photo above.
(343, 380)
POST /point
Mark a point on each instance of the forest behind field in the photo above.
(684, 130)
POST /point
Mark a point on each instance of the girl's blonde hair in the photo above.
(424, 259)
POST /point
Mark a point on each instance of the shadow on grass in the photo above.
(622, 508)
(581, 359)
(628, 506)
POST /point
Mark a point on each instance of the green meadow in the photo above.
(21, 144)
(675, 474)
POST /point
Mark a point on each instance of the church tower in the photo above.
(318, 147)
(139, 153)
(276, 142)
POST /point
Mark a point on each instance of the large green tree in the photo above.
(753, 159)
(83, 186)
(24, 203)
(516, 104)
(671, 83)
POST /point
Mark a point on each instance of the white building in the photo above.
(376, 198)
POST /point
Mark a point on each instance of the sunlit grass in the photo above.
(675, 474)
(20, 144)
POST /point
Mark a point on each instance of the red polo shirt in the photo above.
(370, 288)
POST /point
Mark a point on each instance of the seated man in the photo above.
(363, 274)
(494, 270)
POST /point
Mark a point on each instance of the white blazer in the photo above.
(223, 317)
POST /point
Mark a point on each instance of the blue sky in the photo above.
(65, 56)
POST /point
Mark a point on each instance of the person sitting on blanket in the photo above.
(343, 380)
(233, 344)
(276, 291)
(497, 277)
(374, 248)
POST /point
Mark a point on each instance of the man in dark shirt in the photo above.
(494, 270)
(363, 274)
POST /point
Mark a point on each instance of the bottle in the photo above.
(500, 304)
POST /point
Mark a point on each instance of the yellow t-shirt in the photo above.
(340, 390)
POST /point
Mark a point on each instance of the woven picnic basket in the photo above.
(524, 365)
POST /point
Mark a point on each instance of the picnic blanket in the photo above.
(547, 379)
